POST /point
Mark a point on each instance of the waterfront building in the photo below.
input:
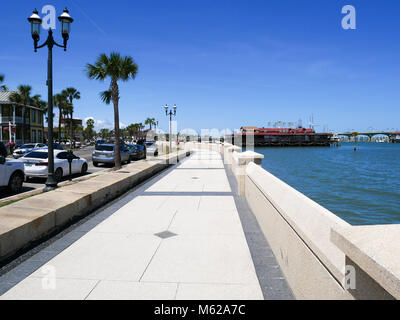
(280, 137)
(11, 116)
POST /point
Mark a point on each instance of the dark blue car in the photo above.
(137, 151)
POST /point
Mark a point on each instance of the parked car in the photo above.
(104, 153)
(3, 150)
(25, 148)
(56, 146)
(36, 162)
(137, 151)
(151, 148)
(100, 141)
(11, 174)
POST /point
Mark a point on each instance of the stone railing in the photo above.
(373, 255)
(321, 255)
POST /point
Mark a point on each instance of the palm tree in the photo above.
(61, 102)
(22, 96)
(71, 94)
(130, 130)
(141, 127)
(116, 68)
(104, 133)
(37, 102)
(150, 122)
(137, 130)
(88, 131)
(2, 87)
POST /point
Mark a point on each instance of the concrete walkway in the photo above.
(179, 236)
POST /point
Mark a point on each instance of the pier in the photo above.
(213, 225)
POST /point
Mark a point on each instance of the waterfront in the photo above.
(361, 187)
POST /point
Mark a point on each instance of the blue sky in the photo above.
(224, 63)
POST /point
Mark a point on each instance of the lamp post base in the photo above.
(51, 184)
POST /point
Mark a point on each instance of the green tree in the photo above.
(150, 122)
(71, 95)
(141, 127)
(61, 102)
(2, 87)
(39, 103)
(104, 133)
(132, 130)
(89, 132)
(116, 68)
(22, 96)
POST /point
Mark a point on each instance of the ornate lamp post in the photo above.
(36, 22)
(170, 113)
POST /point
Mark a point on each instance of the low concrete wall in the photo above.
(321, 255)
(31, 219)
(373, 252)
(298, 231)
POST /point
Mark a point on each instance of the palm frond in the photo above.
(15, 97)
(106, 96)
(129, 69)
(95, 72)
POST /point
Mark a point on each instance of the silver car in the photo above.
(25, 148)
(105, 153)
(151, 148)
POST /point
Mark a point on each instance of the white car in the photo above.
(25, 148)
(36, 163)
(151, 148)
(11, 174)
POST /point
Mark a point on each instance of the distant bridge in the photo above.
(370, 134)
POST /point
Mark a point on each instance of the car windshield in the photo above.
(149, 144)
(37, 155)
(27, 146)
(101, 147)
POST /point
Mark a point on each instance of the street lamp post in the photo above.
(170, 113)
(36, 22)
(155, 129)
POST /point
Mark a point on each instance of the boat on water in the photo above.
(380, 140)
(280, 137)
(396, 137)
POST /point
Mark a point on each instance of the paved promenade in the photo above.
(178, 236)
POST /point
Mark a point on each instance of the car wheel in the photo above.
(15, 183)
(84, 168)
(96, 164)
(129, 160)
(58, 174)
(155, 154)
